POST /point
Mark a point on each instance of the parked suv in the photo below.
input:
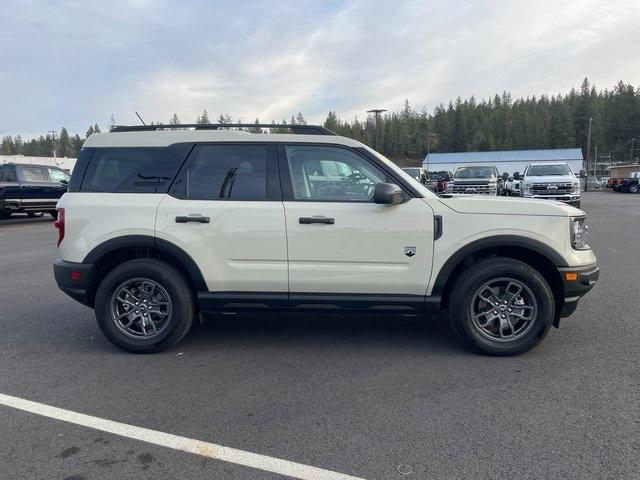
(483, 179)
(161, 223)
(550, 181)
(31, 189)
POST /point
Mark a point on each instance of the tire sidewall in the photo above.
(177, 289)
(483, 272)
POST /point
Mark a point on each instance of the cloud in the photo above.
(75, 63)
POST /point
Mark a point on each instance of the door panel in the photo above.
(241, 249)
(225, 210)
(354, 246)
(363, 251)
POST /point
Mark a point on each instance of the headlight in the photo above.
(576, 188)
(526, 189)
(579, 231)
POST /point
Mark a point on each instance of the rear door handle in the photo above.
(192, 218)
(323, 220)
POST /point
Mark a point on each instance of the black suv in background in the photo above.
(31, 189)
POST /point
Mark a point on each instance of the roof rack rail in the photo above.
(296, 129)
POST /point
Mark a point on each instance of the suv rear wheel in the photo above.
(144, 306)
(501, 307)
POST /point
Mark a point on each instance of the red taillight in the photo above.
(76, 275)
(59, 224)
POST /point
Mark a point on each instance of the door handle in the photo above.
(323, 220)
(192, 218)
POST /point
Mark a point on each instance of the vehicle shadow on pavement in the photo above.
(430, 333)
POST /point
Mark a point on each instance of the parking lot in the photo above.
(373, 397)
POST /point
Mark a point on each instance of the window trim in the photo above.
(273, 186)
(287, 184)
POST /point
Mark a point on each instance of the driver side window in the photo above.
(324, 173)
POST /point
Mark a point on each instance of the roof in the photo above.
(559, 154)
(163, 138)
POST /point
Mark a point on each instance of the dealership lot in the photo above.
(372, 396)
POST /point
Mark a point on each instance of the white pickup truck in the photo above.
(550, 181)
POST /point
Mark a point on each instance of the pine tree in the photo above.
(204, 118)
(174, 120)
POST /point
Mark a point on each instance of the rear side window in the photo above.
(133, 170)
(8, 174)
(32, 174)
(228, 172)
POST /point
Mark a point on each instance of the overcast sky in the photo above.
(75, 63)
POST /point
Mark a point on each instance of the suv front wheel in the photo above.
(144, 306)
(501, 306)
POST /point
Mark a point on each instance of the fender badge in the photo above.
(409, 251)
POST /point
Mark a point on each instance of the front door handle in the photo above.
(192, 218)
(323, 220)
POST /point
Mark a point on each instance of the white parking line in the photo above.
(205, 449)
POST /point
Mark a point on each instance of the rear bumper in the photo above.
(586, 278)
(73, 279)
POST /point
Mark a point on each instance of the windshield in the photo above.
(544, 170)
(474, 172)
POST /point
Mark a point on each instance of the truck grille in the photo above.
(551, 188)
(472, 188)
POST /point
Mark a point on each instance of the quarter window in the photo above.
(125, 170)
(57, 175)
(226, 172)
(323, 173)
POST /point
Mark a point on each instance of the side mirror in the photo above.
(388, 194)
(516, 176)
(583, 174)
(505, 176)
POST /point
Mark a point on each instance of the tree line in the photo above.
(502, 123)
(498, 123)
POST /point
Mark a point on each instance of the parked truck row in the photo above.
(542, 180)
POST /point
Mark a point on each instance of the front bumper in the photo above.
(559, 198)
(577, 282)
(73, 279)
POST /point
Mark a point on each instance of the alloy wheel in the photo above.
(503, 309)
(141, 308)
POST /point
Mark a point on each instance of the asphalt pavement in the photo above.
(378, 397)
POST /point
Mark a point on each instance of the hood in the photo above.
(490, 205)
(550, 179)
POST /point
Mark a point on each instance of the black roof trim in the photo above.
(296, 129)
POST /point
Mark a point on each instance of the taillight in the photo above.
(59, 224)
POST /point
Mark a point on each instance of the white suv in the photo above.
(161, 223)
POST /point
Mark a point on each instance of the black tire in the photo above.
(5, 213)
(634, 188)
(473, 279)
(35, 214)
(174, 283)
(54, 214)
